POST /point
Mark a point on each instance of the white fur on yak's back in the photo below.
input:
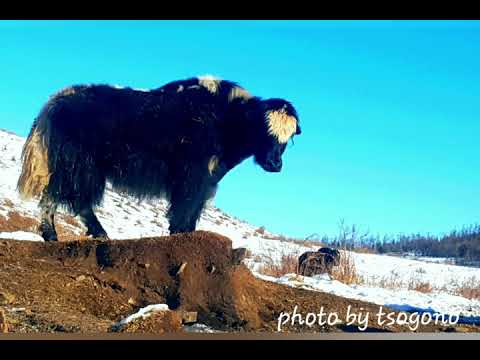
(35, 174)
(213, 84)
(281, 125)
(239, 93)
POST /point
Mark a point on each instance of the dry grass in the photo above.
(346, 272)
(396, 282)
(420, 286)
(8, 203)
(315, 245)
(364, 250)
(288, 264)
(262, 232)
(3, 322)
(393, 282)
(470, 289)
(469, 293)
(277, 265)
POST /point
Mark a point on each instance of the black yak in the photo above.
(176, 142)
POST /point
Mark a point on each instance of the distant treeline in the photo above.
(463, 245)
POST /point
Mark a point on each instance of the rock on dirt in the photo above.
(158, 323)
(6, 298)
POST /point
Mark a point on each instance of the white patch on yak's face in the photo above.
(281, 125)
(180, 88)
(238, 92)
(210, 82)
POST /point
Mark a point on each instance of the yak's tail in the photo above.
(35, 174)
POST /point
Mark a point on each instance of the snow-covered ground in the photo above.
(20, 235)
(437, 260)
(386, 280)
(124, 217)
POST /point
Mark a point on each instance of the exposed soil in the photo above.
(88, 286)
(15, 221)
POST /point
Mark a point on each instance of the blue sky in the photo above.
(389, 109)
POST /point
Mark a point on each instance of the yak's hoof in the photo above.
(47, 233)
(102, 237)
(49, 236)
(98, 235)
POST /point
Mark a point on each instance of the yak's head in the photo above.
(279, 124)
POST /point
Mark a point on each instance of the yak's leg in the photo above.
(180, 215)
(47, 220)
(186, 207)
(94, 228)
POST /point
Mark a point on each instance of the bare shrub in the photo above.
(346, 271)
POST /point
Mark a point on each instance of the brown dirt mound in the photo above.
(88, 286)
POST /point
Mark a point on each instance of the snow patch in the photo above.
(200, 328)
(143, 313)
(21, 235)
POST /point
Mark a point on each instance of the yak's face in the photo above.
(280, 124)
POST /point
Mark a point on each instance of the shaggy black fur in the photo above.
(156, 143)
(315, 262)
(332, 252)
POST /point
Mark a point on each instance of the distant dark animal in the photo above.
(314, 263)
(332, 252)
(176, 142)
(318, 262)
